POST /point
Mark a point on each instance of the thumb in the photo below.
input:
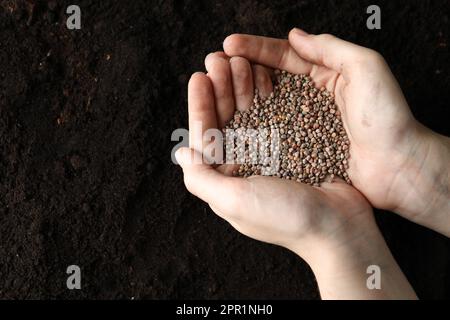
(327, 50)
(219, 191)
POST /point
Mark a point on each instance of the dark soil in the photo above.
(85, 124)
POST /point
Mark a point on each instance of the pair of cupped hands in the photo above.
(396, 163)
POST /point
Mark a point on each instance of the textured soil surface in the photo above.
(85, 124)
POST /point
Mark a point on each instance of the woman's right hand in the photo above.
(397, 164)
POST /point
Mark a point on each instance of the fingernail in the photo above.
(299, 32)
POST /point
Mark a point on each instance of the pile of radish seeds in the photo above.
(313, 144)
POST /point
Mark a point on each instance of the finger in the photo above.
(220, 54)
(224, 193)
(263, 81)
(242, 78)
(219, 72)
(326, 50)
(202, 113)
(275, 53)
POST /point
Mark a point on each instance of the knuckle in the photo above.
(221, 89)
(242, 75)
(221, 80)
(374, 56)
(370, 58)
(325, 37)
(242, 89)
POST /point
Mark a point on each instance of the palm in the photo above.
(375, 130)
(280, 211)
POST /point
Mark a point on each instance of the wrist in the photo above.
(425, 180)
(341, 267)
